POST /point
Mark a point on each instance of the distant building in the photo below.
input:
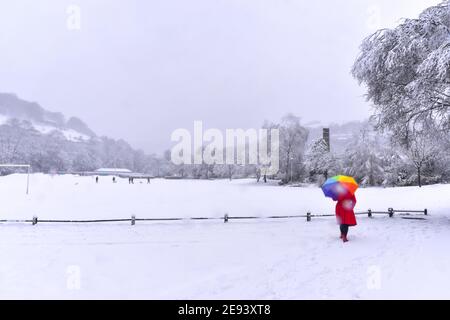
(113, 172)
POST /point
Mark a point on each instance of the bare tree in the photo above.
(293, 137)
(423, 149)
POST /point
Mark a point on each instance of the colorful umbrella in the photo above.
(339, 186)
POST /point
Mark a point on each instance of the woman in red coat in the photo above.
(345, 215)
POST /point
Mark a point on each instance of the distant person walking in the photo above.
(114, 179)
(148, 180)
(258, 175)
(96, 179)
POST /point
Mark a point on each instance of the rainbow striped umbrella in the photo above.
(339, 186)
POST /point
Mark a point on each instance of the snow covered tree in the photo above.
(363, 159)
(407, 73)
(320, 161)
(293, 138)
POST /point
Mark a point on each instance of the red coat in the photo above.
(344, 211)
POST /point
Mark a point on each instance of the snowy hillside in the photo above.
(46, 140)
(12, 107)
(288, 259)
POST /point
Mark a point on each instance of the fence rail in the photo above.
(309, 216)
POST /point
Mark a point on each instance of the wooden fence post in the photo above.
(391, 212)
(370, 213)
(425, 212)
(35, 220)
(133, 220)
(225, 218)
(308, 217)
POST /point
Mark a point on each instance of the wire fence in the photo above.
(226, 218)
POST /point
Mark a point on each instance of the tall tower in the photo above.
(326, 138)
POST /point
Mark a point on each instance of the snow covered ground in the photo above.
(286, 259)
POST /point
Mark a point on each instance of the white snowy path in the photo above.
(288, 259)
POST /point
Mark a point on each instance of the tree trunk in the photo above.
(419, 177)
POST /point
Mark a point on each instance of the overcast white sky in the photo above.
(138, 69)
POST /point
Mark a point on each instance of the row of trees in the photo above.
(372, 158)
(369, 157)
(20, 142)
(53, 152)
(293, 138)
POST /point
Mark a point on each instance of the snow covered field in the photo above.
(287, 259)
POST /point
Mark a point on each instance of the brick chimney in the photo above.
(326, 138)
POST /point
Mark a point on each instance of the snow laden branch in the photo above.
(407, 73)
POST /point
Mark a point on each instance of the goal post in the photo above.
(26, 166)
